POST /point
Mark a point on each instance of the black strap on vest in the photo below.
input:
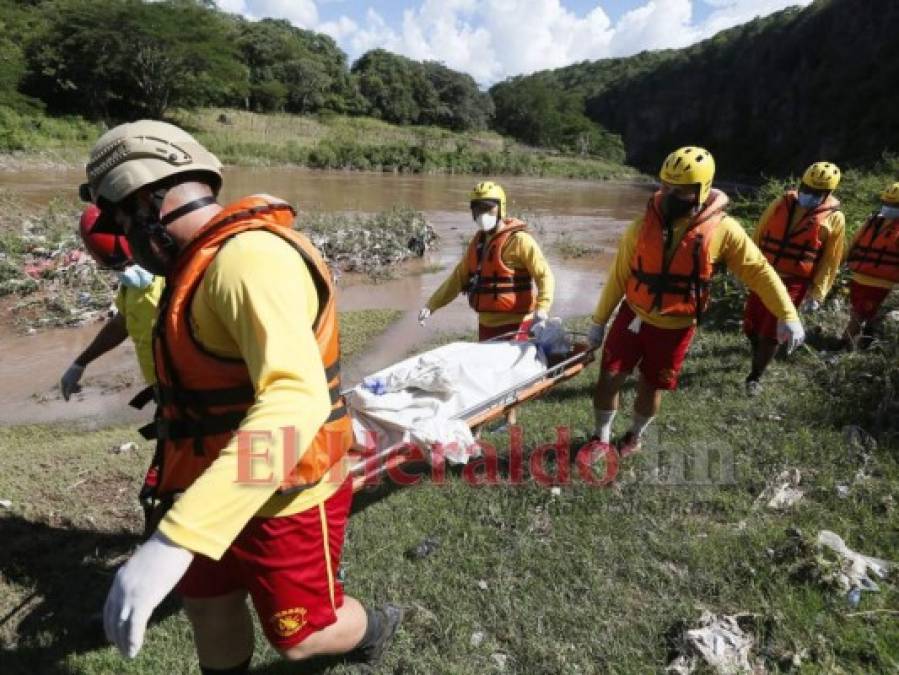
(142, 398)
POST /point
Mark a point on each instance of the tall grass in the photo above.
(326, 142)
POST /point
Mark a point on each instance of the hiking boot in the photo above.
(753, 388)
(390, 618)
(628, 444)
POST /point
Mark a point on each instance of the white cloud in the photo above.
(493, 39)
(302, 13)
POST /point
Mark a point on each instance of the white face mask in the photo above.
(487, 221)
(135, 276)
(889, 212)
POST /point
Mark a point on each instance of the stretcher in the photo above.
(368, 466)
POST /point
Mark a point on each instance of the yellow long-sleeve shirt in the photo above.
(521, 252)
(729, 244)
(865, 279)
(257, 302)
(834, 235)
(138, 307)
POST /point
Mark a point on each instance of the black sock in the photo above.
(233, 670)
(373, 628)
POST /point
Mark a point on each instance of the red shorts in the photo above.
(866, 300)
(488, 332)
(659, 351)
(287, 564)
(757, 320)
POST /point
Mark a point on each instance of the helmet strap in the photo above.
(184, 209)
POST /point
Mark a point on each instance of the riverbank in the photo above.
(242, 138)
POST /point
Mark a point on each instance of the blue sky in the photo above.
(495, 39)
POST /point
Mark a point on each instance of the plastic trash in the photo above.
(422, 550)
(854, 596)
(376, 385)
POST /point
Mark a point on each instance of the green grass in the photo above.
(568, 246)
(591, 580)
(325, 142)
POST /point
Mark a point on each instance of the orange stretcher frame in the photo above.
(367, 468)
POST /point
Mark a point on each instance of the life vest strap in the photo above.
(142, 398)
(788, 250)
(179, 429)
(875, 256)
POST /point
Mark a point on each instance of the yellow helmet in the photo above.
(822, 176)
(891, 194)
(489, 191)
(690, 165)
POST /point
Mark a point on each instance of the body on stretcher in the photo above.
(436, 399)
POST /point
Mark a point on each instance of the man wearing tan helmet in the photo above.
(801, 234)
(252, 431)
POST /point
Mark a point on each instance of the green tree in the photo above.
(461, 105)
(124, 59)
(308, 67)
(394, 87)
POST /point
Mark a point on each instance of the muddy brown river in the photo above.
(588, 212)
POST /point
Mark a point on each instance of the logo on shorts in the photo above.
(289, 621)
(666, 376)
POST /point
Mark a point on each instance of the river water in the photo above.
(588, 212)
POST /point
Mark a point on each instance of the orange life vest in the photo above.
(493, 286)
(876, 250)
(795, 252)
(678, 286)
(203, 397)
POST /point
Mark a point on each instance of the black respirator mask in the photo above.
(673, 207)
(147, 227)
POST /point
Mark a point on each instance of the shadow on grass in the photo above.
(68, 572)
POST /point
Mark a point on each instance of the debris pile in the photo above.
(371, 244)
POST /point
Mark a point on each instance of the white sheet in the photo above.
(474, 372)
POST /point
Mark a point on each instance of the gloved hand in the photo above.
(792, 333)
(538, 324)
(596, 334)
(69, 382)
(139, 586)
(810, 305)
(423, 315)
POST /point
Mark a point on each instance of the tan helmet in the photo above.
(136, 154)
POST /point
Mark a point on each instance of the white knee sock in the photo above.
(639, 424)
(604, 420)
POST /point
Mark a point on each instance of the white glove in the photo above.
(810, 305)
(596, 334)
(69, 382)
(423, 315)
(538, 324)
(792, 333)
(139, 586)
